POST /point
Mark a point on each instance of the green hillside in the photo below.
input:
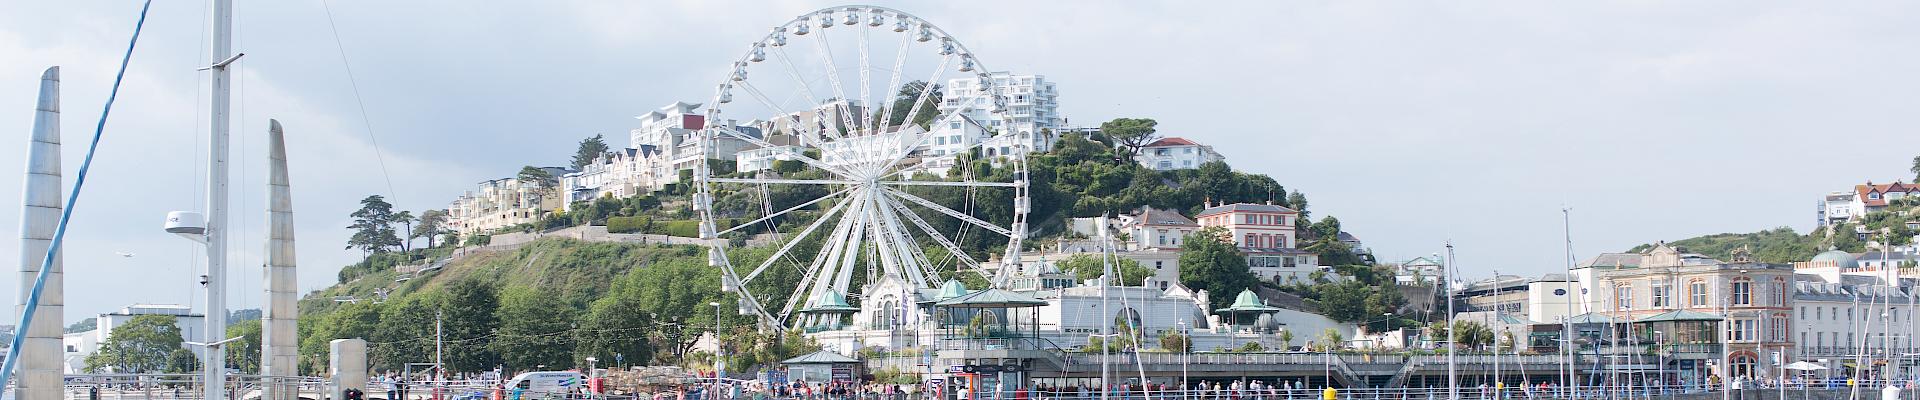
(555, 302)
(1783, 245)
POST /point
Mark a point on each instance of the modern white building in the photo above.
(674, 130)
(1032, 110)
(1176, 153)
(79, 345)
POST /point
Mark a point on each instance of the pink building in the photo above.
(1258, 226)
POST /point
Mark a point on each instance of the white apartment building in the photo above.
(617, 174)
(79, 345)
(1176, 153)
(675, 131)
(500, 203)
(1032, 110)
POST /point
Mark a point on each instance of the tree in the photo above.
(1298, 201)
(1469, 334)
(613, 330)
(145, 344)
(373, 227)
(1084, 267)
(244, 354)
(1332, 338)
(1175, 341)
(542, 182)
(402, 333)
(467, 315)
(406, 219)
(903, 103)
(1915, 169)
(433, 223)
(590, 149)
(535, 330)
(1132, 133)
(1209, 261)
(1344, 301)
(1286, 338)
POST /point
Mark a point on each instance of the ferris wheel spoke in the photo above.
(836, 170)
(893, 80)
(866, 70)
(833, 78)
(951, 247)
(825, 265)
(795, 240)
(948, 211)
(785, 181)
(784, 212)
(949, 183)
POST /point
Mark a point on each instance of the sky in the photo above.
(1415, 123)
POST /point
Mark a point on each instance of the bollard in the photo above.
(1329, 394)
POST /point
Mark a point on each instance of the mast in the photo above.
(1106, 324)
(1453, 375)
(40, 366)
(1496, 339)
(213, 360)
(1566, 322)
(279, 340)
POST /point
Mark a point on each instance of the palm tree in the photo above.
(406, 218)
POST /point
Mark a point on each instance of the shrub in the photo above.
(628, 224)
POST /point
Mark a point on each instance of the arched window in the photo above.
(1742, 365)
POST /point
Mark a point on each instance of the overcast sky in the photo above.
(1414, 123)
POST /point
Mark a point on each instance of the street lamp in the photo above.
(719, 363)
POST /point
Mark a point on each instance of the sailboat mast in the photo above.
(214, 357)
(1453, 375)
(1566, 322)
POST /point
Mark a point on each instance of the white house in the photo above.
(1176, 153)
(1033, 119)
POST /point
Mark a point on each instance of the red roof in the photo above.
(1172, 141)
(1896, 186)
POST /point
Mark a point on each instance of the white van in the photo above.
(547, 382)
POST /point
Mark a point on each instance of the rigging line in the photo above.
(73, 199)
(199, 184)
(364, 118)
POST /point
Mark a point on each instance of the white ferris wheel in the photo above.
(876, 181)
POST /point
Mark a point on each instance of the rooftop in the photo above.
(1246, 207)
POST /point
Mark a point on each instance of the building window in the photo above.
(1662, 295)
(1743, 365)
(1742, 292)
(1166, 165)
(1623, 298)
(1699, 291)
(1778, 331)
(1158, 264)
(1779, 292)
(1742, 330)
